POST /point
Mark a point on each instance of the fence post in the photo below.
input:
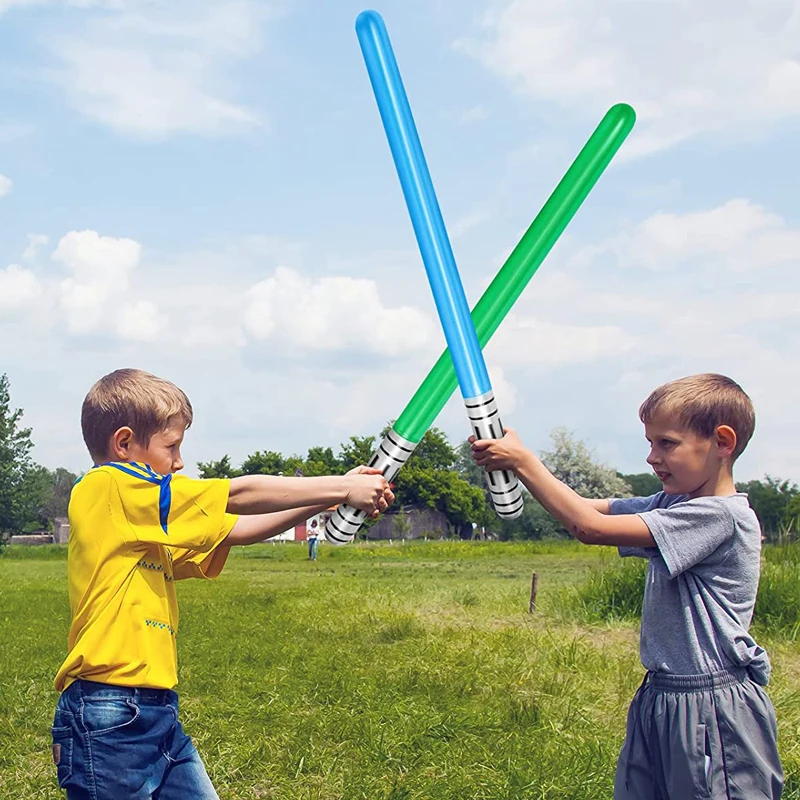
(534, 587)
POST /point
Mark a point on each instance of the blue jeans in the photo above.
(121, 743)
(312, 549)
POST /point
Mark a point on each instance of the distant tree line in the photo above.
(31, 496)
(438, 476)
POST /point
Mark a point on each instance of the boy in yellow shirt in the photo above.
(135, 528)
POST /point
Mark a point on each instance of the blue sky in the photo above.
(204, 190)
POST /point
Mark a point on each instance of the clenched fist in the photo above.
(370, 491)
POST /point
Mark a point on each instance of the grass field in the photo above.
(391, 672)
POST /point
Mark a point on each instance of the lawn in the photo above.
(380, 671)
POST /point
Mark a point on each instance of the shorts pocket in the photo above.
(702, 761)
(62, 753)
(106, 715)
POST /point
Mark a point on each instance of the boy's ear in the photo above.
(726, 440)
(121, 443)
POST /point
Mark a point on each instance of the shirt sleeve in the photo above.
(197, 564)
(636, 505)
(689, 532)
(180, 512)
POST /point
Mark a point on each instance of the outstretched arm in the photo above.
(589, 521)
(364, 488)
(258, 527)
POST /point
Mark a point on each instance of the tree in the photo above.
(54, 489)
(429, 479)
(535, 522)
(21, 487)
(643, 484)
(322, 461)
(467, 468)
(401, 527)
(791, 519)
(434, 451)
(572, 462)
(773, 500)
(356, 452)
(443, 490)
(217, 469)
(266, 462)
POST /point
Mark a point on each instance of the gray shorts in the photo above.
(700, 736)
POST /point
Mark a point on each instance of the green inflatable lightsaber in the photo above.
(492, 308)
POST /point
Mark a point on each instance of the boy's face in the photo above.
(684, 462)
(163, 452)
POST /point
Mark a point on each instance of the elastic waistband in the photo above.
(665, 681)
(92, 689)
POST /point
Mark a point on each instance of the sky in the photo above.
(203, 189)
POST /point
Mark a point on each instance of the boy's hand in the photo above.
(494, 454)
(370, 492)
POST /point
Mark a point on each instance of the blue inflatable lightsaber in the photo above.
(437, 254)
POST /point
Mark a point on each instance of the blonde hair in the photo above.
(130, 398)
(702, 403)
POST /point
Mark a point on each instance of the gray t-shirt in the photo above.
(701, 583)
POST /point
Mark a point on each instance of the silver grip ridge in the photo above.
(391, 454)
(504, 490)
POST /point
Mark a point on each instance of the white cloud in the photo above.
(5, 185)
(35, 241)
(505, 393)
(100, 268)
(19, 287)
(146, 94)
(333, 313)
(160, 68)
(95, 258)
(739, 234)
(529, 342)
(687, 68)
(138, 322)
(583, 347)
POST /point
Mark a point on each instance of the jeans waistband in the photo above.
(92, 689)
(665, 681)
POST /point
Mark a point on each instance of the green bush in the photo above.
(614, 590)
(778, 603)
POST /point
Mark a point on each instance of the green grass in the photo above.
(612, 592)
(377, 673)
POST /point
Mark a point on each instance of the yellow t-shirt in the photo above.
(133, 533)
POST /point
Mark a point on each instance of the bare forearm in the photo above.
(263, 494)
(258, 527)
(590, 521)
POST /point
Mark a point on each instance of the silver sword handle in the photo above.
(392, 453)
(504, 489)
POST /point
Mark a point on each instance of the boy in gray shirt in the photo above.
(701, 724)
